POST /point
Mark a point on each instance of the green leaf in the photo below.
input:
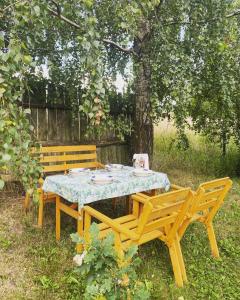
(36, 10)
(6, 157)
(27, 111)
(27, 59)
(76, 238)
(131, 252)
(91, 115)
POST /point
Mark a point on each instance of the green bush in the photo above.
(200, 157)
(104, 276)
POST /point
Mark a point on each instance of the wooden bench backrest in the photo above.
(62, 158)
(210, 196)
(164, 210)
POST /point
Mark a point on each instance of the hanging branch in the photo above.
(126, 50)
(233, 14)
(58, 14)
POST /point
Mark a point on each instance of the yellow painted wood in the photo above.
(60, 159)
(208, 199)
(158, 223)
(68, 157)
(79, 247)
(65, 167)
(176, 265)
(163, 210)
(212, 240)
(58, 218)
(59, 149)
(181, 261)
(40, 208)
(68, 210)
(176, 187)
(26, 201)
(216, 183)
(160, 218)
(87, 224)
(114, 225)
(121, 220)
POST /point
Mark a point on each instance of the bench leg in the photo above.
(58, 218)
(180, 259)
(26, 201)
(40, 211)
(212, 240)
(175, 264)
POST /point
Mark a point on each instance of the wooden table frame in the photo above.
(78, 214)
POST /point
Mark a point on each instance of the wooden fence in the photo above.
(55, 125)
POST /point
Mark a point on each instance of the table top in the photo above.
(80, 189)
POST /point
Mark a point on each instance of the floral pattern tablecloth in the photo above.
(80, 188)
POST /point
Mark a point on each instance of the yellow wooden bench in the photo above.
(160, 218)
(59, 159)
(208, 199)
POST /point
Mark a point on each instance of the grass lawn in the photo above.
(34, 266)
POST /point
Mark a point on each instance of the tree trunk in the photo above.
(142, 122)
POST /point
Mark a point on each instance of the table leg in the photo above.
(79, 247)
(58, 218)
(153, 192)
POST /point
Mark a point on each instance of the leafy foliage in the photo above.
(15, 130)
(104, 275)
(183, 56)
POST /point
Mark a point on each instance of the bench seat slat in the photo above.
(59, 149)
(65, 167)
(69, 157)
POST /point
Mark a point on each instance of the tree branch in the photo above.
(60, 16)
(10, 5)
(112, 43)
(233, 14)
(77, 26)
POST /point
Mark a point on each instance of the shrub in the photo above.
(104, 275)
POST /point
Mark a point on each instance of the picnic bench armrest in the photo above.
(112, 223)
(177, 187)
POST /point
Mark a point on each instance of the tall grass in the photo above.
(202, 156)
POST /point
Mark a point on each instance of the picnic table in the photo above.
(80, 189)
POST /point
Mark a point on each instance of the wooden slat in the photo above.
(215, 183)
(212, 194)
(129, 225)
(163, 211)
(69, 211)
(114, 225)
(120, 220)
(207, 204)
(151, 236)
(59, 149)
(157, 224)
(70, 157)
(132, 225)
(174, 196)
(55, 168)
